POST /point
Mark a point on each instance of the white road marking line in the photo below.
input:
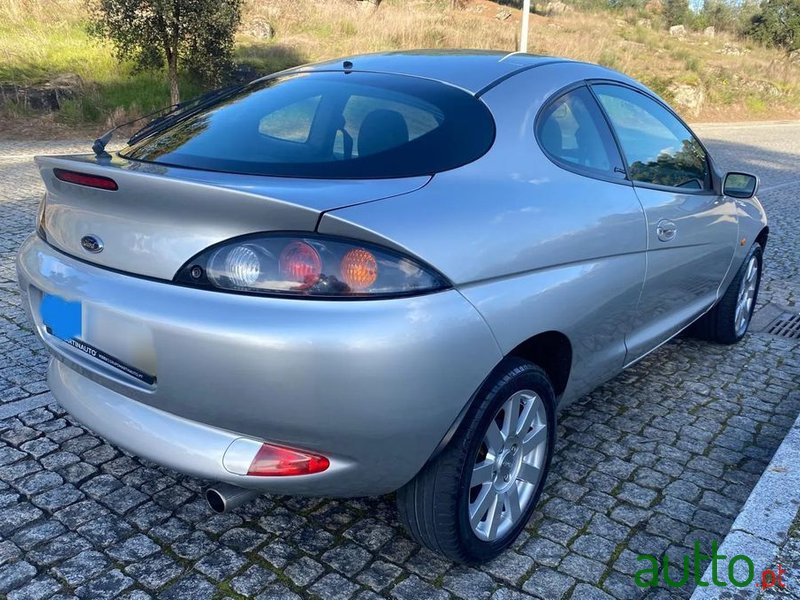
(780, 186)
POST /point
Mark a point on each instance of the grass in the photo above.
(40, 45)
(41, 39)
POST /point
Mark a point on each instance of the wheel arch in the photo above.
(550, 350)
(762, 236)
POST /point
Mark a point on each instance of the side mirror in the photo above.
(740, 185)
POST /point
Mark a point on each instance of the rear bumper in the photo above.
(187, 446)
(372, 385)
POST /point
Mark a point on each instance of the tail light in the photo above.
(86, 180)
(308, 266)
(359, 269)
(279, 461)
(300, 263)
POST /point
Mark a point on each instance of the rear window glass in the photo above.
(329, 125)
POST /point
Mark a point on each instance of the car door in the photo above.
(691, 229)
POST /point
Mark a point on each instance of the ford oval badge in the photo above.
(92, 243)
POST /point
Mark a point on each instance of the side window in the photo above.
(291, 123)
(572, 130)
(658, 147)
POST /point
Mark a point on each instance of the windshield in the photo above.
(329, 125)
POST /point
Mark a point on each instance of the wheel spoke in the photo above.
(529, 473)
(482, 473)
(527, 415)
(511, 416)
(484, 502)
(494, 438)
(512, 503)
(532, 441)
(493, 517)
(753, 271)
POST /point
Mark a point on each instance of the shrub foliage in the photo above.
(778, 24)
(192, 35)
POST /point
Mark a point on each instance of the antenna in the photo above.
(526, 15)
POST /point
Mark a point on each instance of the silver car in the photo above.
(384, 273)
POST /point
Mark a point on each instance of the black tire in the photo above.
(720, 323)
(434, 505)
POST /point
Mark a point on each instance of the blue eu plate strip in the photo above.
(63, 318)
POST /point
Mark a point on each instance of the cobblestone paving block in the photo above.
(660, 457)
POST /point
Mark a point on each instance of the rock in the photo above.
(44, 96)
(794, 56)
(646, 23)
(503, 15)
(677, 31)
(260, 28)
(687, 96)
(732, 50)
(763, 88)
(709, 32)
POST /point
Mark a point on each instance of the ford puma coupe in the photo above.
(384, 273)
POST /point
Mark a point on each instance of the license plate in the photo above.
(64, 319)
(61, 317)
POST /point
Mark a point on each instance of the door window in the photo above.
(660, 150)
(573, 132)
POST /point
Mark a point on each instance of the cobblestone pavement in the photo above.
(660, 457)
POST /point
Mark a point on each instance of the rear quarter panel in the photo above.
(532, 246)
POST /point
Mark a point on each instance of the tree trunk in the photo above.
(172, 75)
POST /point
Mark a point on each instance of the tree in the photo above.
(720, 14)
(778, 24)
(675, 12)
(193, 34)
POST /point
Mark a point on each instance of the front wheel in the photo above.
(728, 321)
(472, 501)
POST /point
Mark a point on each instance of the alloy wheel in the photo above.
(747, 294)
(508, 466)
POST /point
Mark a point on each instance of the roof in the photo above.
(471, 70)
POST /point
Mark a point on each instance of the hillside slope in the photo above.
(709, 78)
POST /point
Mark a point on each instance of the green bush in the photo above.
(676, 12)
(777, 24)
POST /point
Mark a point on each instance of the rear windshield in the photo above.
(329, 125)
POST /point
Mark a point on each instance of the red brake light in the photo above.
(94, 181)
(301, 263)
(277, 460)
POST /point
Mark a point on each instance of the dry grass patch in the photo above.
(43, 38)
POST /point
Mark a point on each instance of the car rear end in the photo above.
(197, 319)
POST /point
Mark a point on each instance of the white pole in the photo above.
(526, 14)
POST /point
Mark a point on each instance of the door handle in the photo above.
(666, 230)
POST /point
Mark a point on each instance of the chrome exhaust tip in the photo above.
(224, 497)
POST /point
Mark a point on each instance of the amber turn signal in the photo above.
(359, 269)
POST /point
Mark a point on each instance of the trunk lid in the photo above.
(160, 217)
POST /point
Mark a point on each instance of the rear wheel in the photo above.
(472, 501)
(728, 321)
